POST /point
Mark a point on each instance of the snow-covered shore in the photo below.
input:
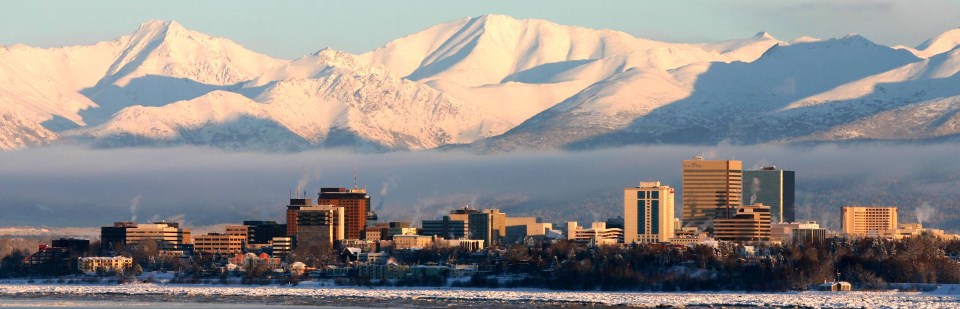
(937, 299)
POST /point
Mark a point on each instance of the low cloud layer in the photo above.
(67, 186)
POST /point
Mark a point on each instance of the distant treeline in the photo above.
(868, 263)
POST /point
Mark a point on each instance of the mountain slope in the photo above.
(486, 49)
(324, 100)
(495, 81)
(746, 50)
(936, 45)
(709, 103)
(163, 62)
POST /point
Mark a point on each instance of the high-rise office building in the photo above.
(319, 226)
(861, 220)
(711, 189)
(748, 223)
(355, 203)
(772, 187)
(489, 225)
(648, 213)
(292, 208)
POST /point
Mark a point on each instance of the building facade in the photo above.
(262, 232)
(749, 223)
(865, 221)
(446, 227)
(292, 208)
(801, 232)
(519, 228)
(648, 213)
(356, 204)
(319, 226)
(168, 235)
(598, 234)
(411, 242)
(772, 187)
(216, 243)
(281, 246)
(711, 189)
(93, 265)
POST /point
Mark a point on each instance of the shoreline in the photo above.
(371, 297)
(294, 300)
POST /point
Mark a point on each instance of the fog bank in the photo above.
(74, 186)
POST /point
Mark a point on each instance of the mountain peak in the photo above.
(943, 42)
(159, 24)
(763, 35)
(855, 38)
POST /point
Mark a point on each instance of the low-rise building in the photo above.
(519, 228)
(803, 232)
(167, 235)
(374, 271)
(374, 257)
(411, 242)
(95, 264)
(748, 223)
(465, 244)
(281, 245)
(216, 243)
(689, 235)
(598, 234)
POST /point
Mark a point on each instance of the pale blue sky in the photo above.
(289, 29)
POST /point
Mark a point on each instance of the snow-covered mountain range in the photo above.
(492, 82)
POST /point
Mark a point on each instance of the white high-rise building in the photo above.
(648, 213)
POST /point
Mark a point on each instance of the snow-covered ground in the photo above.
(947, 297)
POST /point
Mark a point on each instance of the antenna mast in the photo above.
(354, 179)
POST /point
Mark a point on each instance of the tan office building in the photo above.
(861, 220)
(519, 228)
(749, 223)
(711, 189)
(215, 243)
(168, 235)
(648, 213)
(411, 242)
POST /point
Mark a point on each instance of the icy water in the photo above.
(42, 303)
(215, 296)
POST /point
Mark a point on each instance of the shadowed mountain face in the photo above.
(791, 93)
(492, 83)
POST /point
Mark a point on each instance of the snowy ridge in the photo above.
(710, 103)
(746, 50)
(495, 81)
(487, 49)
(936, 45)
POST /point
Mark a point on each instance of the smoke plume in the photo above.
(925, 212)
(134, 206)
